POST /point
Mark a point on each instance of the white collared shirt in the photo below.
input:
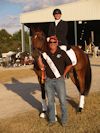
(57, 21)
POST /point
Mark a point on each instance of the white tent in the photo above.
(75, 11)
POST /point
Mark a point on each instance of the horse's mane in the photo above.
(39, 39)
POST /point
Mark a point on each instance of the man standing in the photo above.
(59, 28)
(57, 64)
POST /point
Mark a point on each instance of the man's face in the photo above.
(57, 16)
(53, 44)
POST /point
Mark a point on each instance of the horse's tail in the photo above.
(88, 77)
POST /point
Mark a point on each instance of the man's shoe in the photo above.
(63, 124)
(51, 124)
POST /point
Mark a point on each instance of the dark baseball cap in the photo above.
(57, 11)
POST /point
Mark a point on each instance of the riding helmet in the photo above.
(57, 11)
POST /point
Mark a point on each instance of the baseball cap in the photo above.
(53, 38)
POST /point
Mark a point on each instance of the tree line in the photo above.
(10, 42)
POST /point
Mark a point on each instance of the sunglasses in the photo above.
(52, 42)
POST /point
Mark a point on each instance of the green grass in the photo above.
(86, 122)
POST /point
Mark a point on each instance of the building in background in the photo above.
(83, 17)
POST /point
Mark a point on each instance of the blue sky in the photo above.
(10, 11)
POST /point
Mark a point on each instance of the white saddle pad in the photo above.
(71, 54)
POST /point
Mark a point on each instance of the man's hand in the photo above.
(67, 69)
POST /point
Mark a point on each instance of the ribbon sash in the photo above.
(51, 65)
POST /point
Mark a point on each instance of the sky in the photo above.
(10, 11)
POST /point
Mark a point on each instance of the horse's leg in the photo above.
(74, 77)
(44, 107)
(78, 78)
(43, 99)
(41, 78)
(81, 78)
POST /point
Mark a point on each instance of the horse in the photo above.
(80, 73)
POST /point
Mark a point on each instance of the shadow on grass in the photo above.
(72, 102)
(26, 91)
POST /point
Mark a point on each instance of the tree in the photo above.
(10, 42)
(4, 36)
(17, 37)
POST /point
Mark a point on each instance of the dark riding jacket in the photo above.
(60, 31)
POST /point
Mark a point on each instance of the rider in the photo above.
(59, 28)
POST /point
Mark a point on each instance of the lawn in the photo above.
(29, 122)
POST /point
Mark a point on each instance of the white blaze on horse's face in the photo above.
(35, 36)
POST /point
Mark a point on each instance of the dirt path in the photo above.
(23, 94)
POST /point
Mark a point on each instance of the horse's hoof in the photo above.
(79, 110)
(43, 114)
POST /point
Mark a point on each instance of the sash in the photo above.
(51, 65)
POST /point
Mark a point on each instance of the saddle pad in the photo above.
(72, 56)
(70, 53)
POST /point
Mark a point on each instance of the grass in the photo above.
(86, 122)
(7, 74)
(29, 122)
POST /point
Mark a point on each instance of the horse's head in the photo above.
(39, 40)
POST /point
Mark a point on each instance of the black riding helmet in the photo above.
(57, 11)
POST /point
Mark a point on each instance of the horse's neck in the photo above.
(44, 47)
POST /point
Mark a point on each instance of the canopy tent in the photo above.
(75, 11)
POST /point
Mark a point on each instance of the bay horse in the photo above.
(80, 73)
